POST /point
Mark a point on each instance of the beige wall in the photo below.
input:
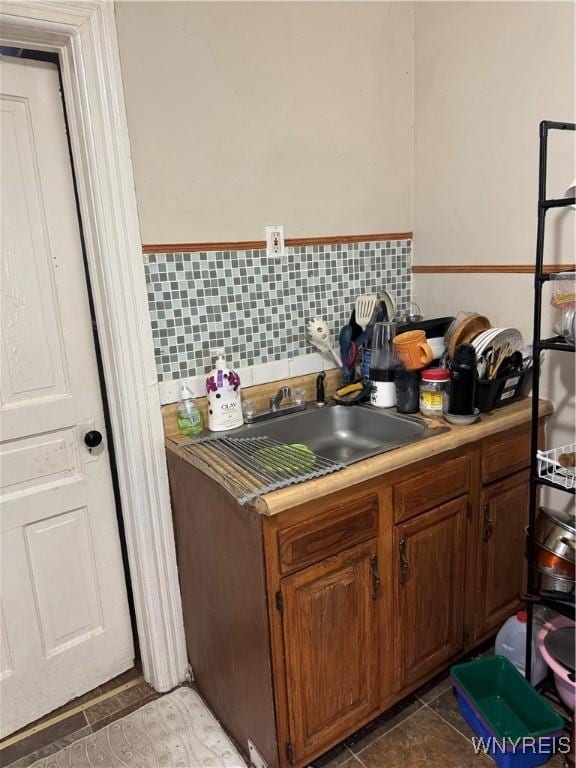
(485, 75)
(243, 114)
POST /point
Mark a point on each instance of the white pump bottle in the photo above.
(223, 389)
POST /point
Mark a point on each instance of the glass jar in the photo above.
(434, 391)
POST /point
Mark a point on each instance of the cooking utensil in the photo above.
(465, 330)
(344, 341)
(389, 304)
(382, 315)
(552, 564)
(556, 532)
(319, 336)
(356, 392)
(356, 329)
(503, 345)
(365, 306)
(414, 313)
(554, 583)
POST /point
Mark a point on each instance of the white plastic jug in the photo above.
(511, 642)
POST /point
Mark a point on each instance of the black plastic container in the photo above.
(407, 390)
(503, 390)
(434, 327)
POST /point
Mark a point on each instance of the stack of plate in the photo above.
(493, 347)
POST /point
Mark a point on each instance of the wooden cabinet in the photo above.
(339, 528)
(303, 626)
(505, 456)
(330, 629)
(504, 515)
(427, 490)
(429, 576)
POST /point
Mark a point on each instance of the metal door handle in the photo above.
(403, 561)
(92, 439)
(375, 576)
(488, 523)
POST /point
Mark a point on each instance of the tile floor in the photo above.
(425, 730)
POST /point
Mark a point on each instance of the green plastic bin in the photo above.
(505, 700)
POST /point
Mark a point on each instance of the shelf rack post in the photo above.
(540, 277)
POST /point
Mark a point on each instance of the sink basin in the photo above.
(342, 433)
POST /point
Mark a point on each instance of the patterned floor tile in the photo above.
(382, 724)
(423, 740)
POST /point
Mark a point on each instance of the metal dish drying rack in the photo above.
(253, 466)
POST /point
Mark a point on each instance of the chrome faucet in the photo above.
(278, 397)
(276, 407)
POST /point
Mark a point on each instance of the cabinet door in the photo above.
(429, 574)
(331, 646)
(504, 510)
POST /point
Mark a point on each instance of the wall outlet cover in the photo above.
(275, 241)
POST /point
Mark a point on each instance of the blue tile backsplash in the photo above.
(258, 308)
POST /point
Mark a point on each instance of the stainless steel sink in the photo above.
(342, 433)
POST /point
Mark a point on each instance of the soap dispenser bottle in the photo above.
(190, 421)
(223, 389)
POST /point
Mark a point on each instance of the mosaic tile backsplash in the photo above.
(258, 308)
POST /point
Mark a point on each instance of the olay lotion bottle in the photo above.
(223, 390)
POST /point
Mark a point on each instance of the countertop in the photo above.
(489, 424)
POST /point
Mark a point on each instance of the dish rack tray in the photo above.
(253, 466)
(549, 467)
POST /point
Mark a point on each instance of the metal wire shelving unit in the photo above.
(563, 604)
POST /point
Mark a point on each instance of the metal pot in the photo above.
(554, 583)
(556, 533)
(553, 564)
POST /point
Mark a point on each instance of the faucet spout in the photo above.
(279, 396)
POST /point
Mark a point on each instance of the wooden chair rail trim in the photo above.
(245, 245)
(442, 269)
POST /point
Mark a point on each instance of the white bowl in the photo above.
(462, 421)
(438, 346)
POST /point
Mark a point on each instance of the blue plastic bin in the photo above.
(519, 729)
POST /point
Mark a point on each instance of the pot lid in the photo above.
(560, 645)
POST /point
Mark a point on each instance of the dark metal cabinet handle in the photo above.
(403, 561)
(375, 577)
(488, 523)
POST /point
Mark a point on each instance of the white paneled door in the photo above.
(64, 621)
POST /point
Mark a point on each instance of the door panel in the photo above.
(66, 625)
(32, 361)
(504, 508)
(33, 461)
(430, 589)
(331, 645)
(67, 600)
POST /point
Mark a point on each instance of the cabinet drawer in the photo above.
(431, 488)
(506, 456)
(331, 532)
